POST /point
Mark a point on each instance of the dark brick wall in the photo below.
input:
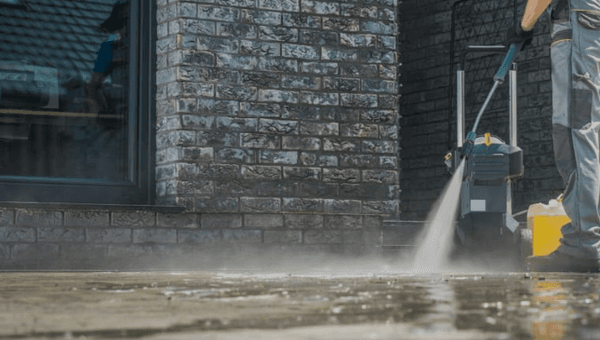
(425, 43)
(276, 107)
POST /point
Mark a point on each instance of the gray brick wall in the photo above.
(267, 108)
(121, 239)
(425, 47)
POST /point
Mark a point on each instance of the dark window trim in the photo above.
(140, 187)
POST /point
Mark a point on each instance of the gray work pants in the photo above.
(575, 54)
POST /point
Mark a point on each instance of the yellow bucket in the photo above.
(545, 222)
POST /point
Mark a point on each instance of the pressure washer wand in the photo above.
(498, 79)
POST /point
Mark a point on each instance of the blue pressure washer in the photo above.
(491, 164)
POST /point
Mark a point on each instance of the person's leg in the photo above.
(581, 238)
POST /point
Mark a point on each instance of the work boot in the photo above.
(559, 262)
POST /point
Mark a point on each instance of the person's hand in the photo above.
(519, 37)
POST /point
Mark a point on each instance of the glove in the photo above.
(519, 37)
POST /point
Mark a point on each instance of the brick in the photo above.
(79, 252)
(300, 51)
(133, 219)
(237, 92)
(301, 143)
(282, 236)
(17, 234)
(242, 236)
(237, 3)
(260, 205)
(341, 175)
(7, 217)
(320, 98)
(380, 207)
(237, 188)
(317, 190)
(196, 154)
(352, 236)
(278, 96)
(388, 42)
(35, 218)
(377, 146)
(337, 54)
(302, 205)
(235, 155)
(388, 162)
(379, 57)
(212, 138)
(379, 176)
(225, 221)
(341, 84)
(358, 100)
(275, 33)
(359, 11)
(243, 62)
(377, 27)
(302, 221)
(318, 236)
(260, 109)
(260, 79)
(213, 44)
(358, 70)
(300, 82)
(237, 124)
(166, 13)
(338, 144)
(167, 124)
(342, 206)
(261, 172)
(238, 31)
(192, 26)
(320, 68)
(218, 13)
(219, 171)
(154, 235)
(53, 234)
(319, 129)
(320, 7)
(208, 236)
(280, 5)
(260, 48)
(302, 173)
(278, 157)
(388, 72)
(359, 161)
(193, 122)
(177, 220)
(319, 38)
(379, 116)
(277, 189)
(357, 40)
(260, 141)
(276, 126)
(108, 235)
(261, 17)
(217, 204)
(277, 64)
(369, 191)
(35, 251)
(301, 20)
(359, 130)
(378, 86)
(343, 222)
(263, 221)
(341, 24)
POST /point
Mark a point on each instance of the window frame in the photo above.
(140, 185)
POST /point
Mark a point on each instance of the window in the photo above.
(73, 115)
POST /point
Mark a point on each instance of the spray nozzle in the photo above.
(468, 146)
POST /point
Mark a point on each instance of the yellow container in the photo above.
(545, 222)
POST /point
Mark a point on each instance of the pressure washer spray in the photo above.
(496, 164)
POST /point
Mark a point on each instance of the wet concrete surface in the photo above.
(376, 302)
